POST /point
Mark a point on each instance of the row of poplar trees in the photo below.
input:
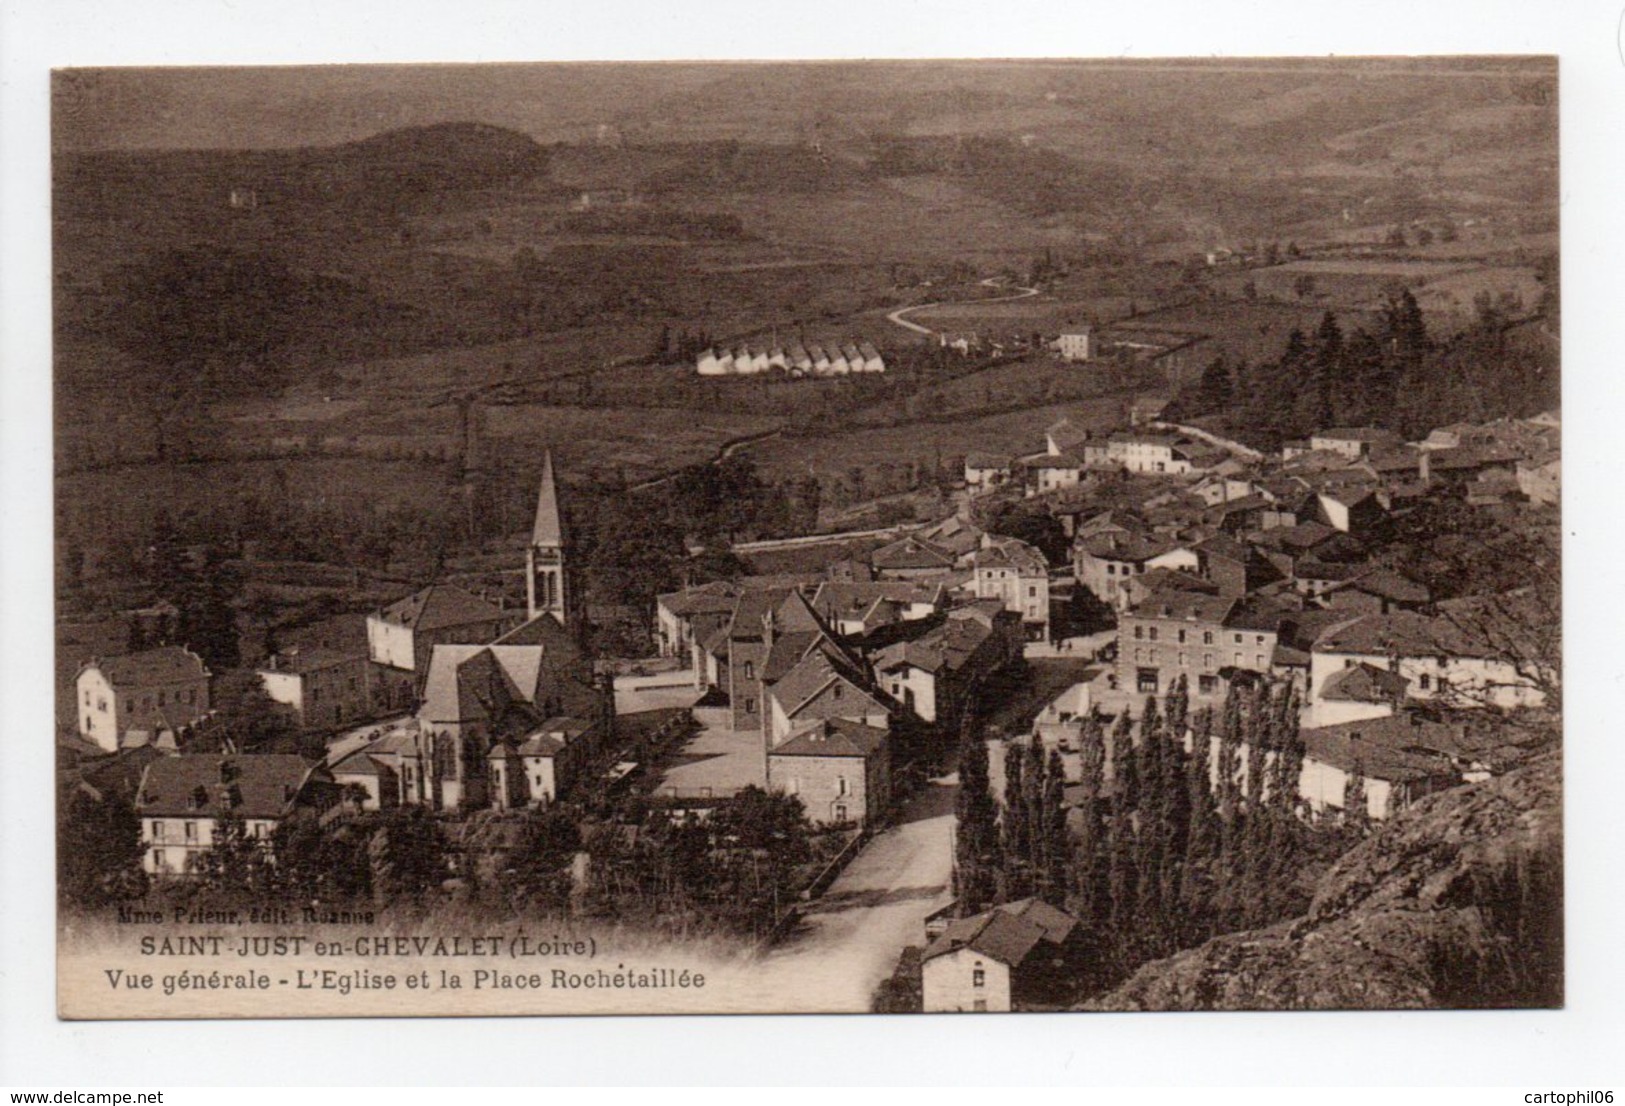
(1186, 826)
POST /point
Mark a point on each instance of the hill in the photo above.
(1455, 903)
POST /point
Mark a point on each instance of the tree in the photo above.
(314, 864)
(1015, 831)
(235, 864)
(976, 840)
(548, 841)
(98, 850)
(1356, 811)
(407, 855)
(1214, 390)
(247, 719)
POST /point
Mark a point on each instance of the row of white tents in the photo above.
(797, 360)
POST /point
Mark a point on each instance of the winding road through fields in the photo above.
(900, 316)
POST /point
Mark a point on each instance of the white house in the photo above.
(1077, 345)
(181, 800)
(157, 689)
(1017, 575)
(992, 962)
(1437, 658)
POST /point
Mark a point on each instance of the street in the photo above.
(851, 937)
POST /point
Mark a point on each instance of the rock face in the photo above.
(1399, 921)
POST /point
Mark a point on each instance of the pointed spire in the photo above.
(549, 530)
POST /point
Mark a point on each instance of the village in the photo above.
(1091, 593)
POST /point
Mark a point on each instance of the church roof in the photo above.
(439, 606)
(549, 528)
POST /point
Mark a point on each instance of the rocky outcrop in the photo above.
(1452, 903)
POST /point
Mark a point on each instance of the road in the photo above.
(851, 937)
(899, 317)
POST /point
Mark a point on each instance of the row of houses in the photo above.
(1283, 569)
(1074, 456)
(795, 360)
(831, 672)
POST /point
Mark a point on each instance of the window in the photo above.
(1207, 685)
(750, 670)
(1260, 640)
(160, 860)
(1259, 661)
(87, 698)
(1182, 637)
(1146, 681)
(191, 831)
(1238, 639)
(1111, 570)
(840, 813)
(1032, 591)
(101, 705)
(1207, 660)
(1139, 633)
(1236, 659)
(1153, 633)
(840, 786)
(978, 975)
(1425, 682)
(1184, 659)
(157, 831)
(750, 706)
(1207, 637)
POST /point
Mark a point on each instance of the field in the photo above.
(436, 263)
(1441, 284)
(1240, 331)
(640, 442)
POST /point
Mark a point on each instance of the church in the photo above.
(521, 719)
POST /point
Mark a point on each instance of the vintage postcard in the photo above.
(808, 537)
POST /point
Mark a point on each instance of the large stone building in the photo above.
(154, 690)
(840, 769)
(1204, 638)
(323, 688)
(403, 635)
(1017, 575)
(182, 800)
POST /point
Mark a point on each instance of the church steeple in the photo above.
(549, 528)
(548, 587)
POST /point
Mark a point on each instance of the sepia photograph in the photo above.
(807, 537)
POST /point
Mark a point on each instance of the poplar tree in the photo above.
(1015, 828)
(976, 842)
(1058, 840)
(1094, 895)
(1356, 812)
